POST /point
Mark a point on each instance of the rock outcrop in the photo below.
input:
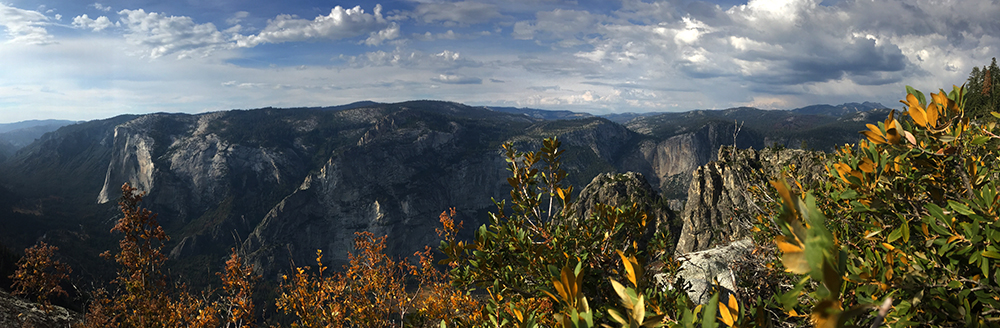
(717, 217)
(703, 269)
(623, 189)
(719, 208)
(668, 163)
(17, 312)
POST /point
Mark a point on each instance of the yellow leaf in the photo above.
(626, 300)
(560, 289)
(639, 312)
(826, 314)
(953, 238)
(888, 246)
(873, 128)
(786, 196)
(617, 316)
(629, 269)
(842, 169)
(567, 282)
(916, 111)
(875, 137)
(940, 98)
(892, 129)
(874, 134)
(867, 165)
(932, 115)
(793, 255)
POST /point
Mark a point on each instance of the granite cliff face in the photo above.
(285, 182)
(17, 312)
(401, 175)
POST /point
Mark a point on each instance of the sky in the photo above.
(62, 59)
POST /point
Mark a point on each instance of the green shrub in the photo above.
(908, 219)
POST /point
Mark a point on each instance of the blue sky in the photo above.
(81, 61)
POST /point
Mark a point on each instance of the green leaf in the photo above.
(906, 231)
(960, 208)
(708, 315)
(946, 138)
(979, 140)
(985, 267)
(687, 319)
(991, 254)
(935, 210)
(895, 234)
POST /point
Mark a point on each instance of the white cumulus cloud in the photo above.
(389, 33)
(164, 35)
(97, 25)
(445, 60)
(24, 26)
(341, 23)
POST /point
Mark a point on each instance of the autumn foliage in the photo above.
(39, 273)
(371, 291)
(142, 294)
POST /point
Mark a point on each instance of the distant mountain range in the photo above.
(14, 136)
(281, 183)
(545, 114)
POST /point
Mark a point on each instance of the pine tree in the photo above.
(990, 88)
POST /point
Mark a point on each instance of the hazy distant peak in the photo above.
(839, 110)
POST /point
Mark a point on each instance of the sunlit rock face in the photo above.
(719, 205)
(718, 217)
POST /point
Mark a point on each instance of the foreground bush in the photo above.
(39, 273)
(143, 296)
(908, 219)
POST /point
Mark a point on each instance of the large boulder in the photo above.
(17, 312)
(703, 269)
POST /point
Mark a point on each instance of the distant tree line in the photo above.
(983, 90)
